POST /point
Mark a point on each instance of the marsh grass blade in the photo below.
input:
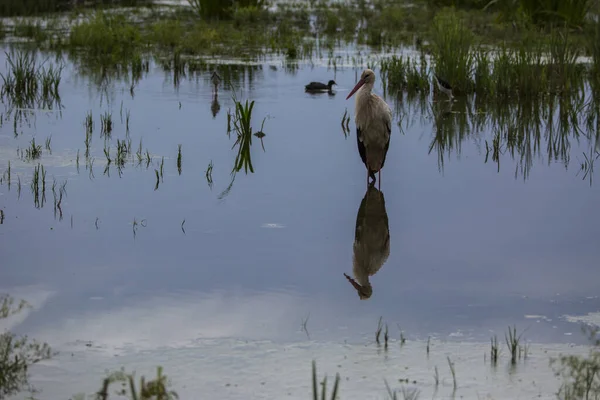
(209, 179)
(494, 350)
(512, 342)
(315, 385)
(179, 158)
(242, 125)
(379, 328)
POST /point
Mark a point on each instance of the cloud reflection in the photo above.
(36, 297)
(179, 320)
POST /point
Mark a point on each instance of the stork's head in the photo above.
(364, 292)
(366, 78)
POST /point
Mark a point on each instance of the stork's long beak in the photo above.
(358, 86)
(353, 282)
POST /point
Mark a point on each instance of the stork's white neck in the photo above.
(363, 105)
(364, 92)
(361, 276)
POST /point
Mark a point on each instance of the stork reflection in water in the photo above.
(371, 241)
(214, 105)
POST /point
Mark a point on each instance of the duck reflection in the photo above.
(214, 105)
(371, 241)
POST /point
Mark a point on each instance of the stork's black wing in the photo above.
(387, 145)
(361, 146)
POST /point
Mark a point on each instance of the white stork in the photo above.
(373, 118)
(371, 241)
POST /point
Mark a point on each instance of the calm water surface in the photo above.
(471, 249)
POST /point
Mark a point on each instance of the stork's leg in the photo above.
(372, 175)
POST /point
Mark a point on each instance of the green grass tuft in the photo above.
(29, 84)
(34, 151)
(512, 342)
(106, 35)
(453, 57)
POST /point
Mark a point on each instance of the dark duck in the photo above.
(316, 87)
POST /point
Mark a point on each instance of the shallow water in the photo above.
(235, 369)
(472, 250)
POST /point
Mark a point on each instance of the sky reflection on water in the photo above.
(471, 249)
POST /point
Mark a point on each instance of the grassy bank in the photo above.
(532, 59)
(250, 28)
(549, 59)
(529, 69)
(112, 36)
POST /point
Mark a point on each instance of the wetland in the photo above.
(170, 196)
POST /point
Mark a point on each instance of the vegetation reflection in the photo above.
(520, 128)
(17, 353)
(241, 122)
